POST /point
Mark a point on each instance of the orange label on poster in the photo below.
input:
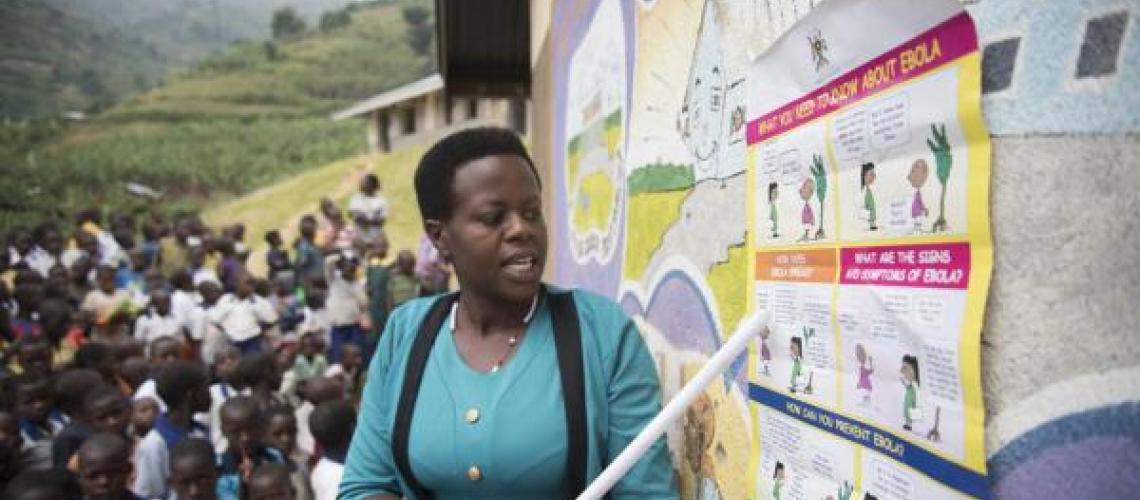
(801, 266)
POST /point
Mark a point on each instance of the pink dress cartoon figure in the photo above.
(919, 171)
(866, 368)
(807, 189)
(765, 352)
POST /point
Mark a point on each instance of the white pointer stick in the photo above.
(750, 327)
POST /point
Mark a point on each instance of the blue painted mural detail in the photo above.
(1047, 93)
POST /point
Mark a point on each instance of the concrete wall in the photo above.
(431, 119)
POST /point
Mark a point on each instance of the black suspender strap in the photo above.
(413, 375)
(568, 344)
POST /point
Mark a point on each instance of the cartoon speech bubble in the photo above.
(769, 166)
(850, 135)
(890, 122)
(898, 213)
(790, 172)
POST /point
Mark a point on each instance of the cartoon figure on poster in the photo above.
(890, 150)
(795, 164)
(866, 180)
(773, 212)
(919, 171)
(798, 382)
(765, 352)
(778, 479)
(807, 217)
(866, 369)
(911, 381)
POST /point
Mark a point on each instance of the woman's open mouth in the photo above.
(523, 267)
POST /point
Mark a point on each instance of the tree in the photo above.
(415, 15)
(820, 175)
(420, 31)
(286, 22)
(271, 51)
(334, 20)
(943, 160)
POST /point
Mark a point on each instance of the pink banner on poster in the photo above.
(922, 54)
(940, 265)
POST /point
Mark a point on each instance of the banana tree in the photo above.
(820, 174)
(943, 161)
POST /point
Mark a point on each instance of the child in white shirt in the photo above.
(158, 321)
(347, 303)
(332, 424)
(243, 316)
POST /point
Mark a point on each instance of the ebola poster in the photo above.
(868, 178)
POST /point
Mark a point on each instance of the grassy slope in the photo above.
(281, 205)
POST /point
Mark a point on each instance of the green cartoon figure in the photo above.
(820, 175)
(797, 348)
(845, 491)
(778, 479)
(773, 216)
(911, 382)
(943, 161)
(866, 178)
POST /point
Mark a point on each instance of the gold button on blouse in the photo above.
(474, 474)
(471, 415)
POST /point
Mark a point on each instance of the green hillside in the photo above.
(81, 55)
(52, 61)
(250, 116)
(314, 73)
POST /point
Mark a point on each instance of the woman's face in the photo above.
(496, 234)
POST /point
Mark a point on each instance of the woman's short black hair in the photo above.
(435, 174)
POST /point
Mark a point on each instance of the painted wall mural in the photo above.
(654, 206)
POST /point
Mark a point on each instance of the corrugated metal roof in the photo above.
(412, 90)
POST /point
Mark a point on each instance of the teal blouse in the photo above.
(509, 426)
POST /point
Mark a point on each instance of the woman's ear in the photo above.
(438, 235)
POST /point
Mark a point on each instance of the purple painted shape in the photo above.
(1103, 468)
(678, 310)
(631, 306)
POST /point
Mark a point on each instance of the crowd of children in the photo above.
(150, 362)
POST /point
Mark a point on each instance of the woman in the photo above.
(369, 209)
(484, 407)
